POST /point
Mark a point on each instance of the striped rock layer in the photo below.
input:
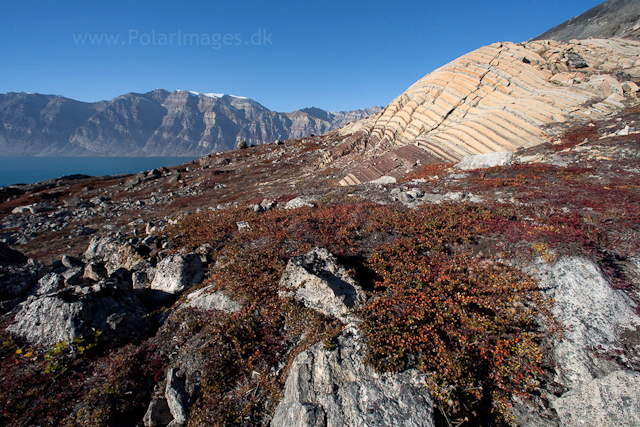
(497, 98)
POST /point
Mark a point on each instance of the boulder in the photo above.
(300, 202)
(630, 87)
(95, 271)
(208, 299)
(209, 161)
(334, 388)
(73, 276)
(604, 85)
(158, 414)
(177, 397)
(575, 60)
(177, 273)
(562, 78)
(33, 208)
(320, 282)
(49, 283)
(44, 320)
(18, 274)
(598, 357)
(487, 160)
(113, 252)
(71, 262)
(243, 226)
(383, 180)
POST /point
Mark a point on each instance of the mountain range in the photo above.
(156, 123)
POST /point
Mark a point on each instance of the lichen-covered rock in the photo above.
(487, 160)
(334, 388)
(113, 252)
(47, 319)
(300, 202)
(177, 273)
(51, 282)
(207, 299)
(601, 324)
(321, 283)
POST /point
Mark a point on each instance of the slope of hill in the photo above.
(157, 123)
(613, 18)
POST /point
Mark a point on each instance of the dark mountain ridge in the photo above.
(613, 18)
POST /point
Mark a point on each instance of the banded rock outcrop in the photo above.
(497, 98)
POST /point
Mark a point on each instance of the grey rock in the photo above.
(575, 61)
(95, 271)
(18, 274)
(85, 231)
(599, 322)
(334, 388)
(301, 202)
(320, 282)
(205, 252)
(177, 397)
(152, 175)
(268, 204)
(243, 226)
(212, 161)
(536, 158)
(73, 276)
(132, 182)
(207, 299)
(33, 208)
(76, 202)
(51, 282)
(114, 252)
(47, 319)
(71, 262)
(416, 197)
(178, 272)
(383, 180)
(122, 279)
(487, 160)
(158, 414)
(139, 280)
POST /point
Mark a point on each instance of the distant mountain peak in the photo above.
(216, 95)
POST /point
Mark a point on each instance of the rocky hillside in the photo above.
(469, 256)
(157, 123)
(500, 97)
(613, 18)
(249, 288)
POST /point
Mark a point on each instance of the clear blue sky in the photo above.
(335, 55)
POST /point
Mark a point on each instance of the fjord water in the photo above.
(27, 170)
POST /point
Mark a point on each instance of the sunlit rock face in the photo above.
(501, 97)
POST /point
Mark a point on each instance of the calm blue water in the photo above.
(26, 170)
